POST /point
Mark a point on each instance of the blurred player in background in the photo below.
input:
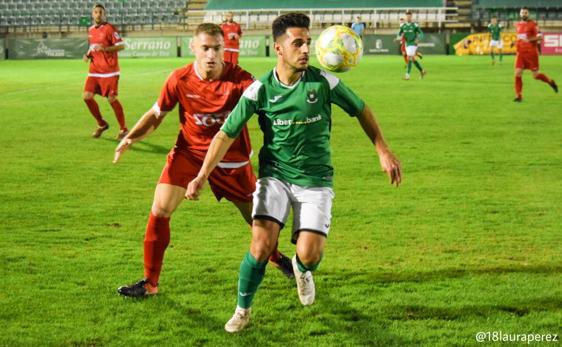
(232, 34)
(495, 29)
(206, 90)
(527, 54)
(402, 41)
(294, 102)
(358, 27)
(411, 33)
(103, 76)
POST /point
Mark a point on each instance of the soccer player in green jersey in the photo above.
(495, 29)
(411, 33)
(293, 102)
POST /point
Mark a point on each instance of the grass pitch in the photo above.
(471, 242)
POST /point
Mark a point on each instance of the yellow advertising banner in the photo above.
(479, 44)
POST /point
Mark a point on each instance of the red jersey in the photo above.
(232, 34)
(205, 105)
(525, 30)
(103, 64)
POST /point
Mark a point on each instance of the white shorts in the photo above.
(312, 207)
(498, 44)
(411, 50)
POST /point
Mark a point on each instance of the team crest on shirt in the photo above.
(311, 96)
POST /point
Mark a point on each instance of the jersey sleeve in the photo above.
(114, 38)
(168, 96)
(244, 110)
(343, 96)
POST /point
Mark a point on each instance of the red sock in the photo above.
(518, 85)
(95, 111)
(543, 78)
(156, 240)
(118, 109)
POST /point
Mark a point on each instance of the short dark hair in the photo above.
(408, 12)
(525, 8)
(209, 28)
(496, 17)
(98, 5)
(289, 20)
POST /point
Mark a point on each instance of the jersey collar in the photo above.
(200, 77)
(285, 85)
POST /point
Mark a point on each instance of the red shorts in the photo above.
(104, 86)
(231, 57)
(183, 166)
(527, 61)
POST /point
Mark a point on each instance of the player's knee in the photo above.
(159, 210)
(262, 247)
(111, 99)
(87, 96)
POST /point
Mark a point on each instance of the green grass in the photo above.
(472, 240)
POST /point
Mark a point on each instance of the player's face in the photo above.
(294, 48)
(98, 14)
(209, 51)
(494, 21)
(524, 13)
(228, 17)
(408, 18)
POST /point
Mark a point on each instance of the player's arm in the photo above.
(114, 48)
(389, 162)
(419, 34)
(144, 127)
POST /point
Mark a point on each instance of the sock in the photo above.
(249, 279)
(95, 111)
(156, 240)
(310, 267)
(543, 78)
(118, 109)
(418, 65)
(501, 56)
(409, 66)
(518, 85)
(492, 55)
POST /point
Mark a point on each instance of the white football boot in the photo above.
(305, 284)
(239, 320)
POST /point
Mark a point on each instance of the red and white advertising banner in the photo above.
(551, 43)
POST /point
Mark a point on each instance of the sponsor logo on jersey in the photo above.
(192, 96)
(210, 119)
(308, 120)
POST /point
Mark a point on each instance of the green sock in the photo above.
(249, 279)
(409, 66)
(311, 267)
(418, 66)
(492, 55)
(501, 56)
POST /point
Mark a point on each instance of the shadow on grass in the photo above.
(143, 146)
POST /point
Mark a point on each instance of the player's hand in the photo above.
(391, 165)
(85, 58)
(194, 188)
(121, 148)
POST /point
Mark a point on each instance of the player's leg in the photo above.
(270, 211)
(88, 97)
(519, 66)
(157, 237)
(238, 186)
(492, 48)
(311, 224)
(111, 91)
(252, 270)
(542, 77)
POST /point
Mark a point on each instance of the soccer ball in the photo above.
(338, 48)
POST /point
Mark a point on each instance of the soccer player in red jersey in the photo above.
(103, 75)
(232, 33)
(527, 54)
(206, 90)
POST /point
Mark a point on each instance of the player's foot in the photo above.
(97, 133)
(419, 55)
(493, 62)
(239, 320)
(518, 99)
(406, 77)
(423, 73)
(554, 86)
(305, 284)
(283, 263)
(140, 289)
(122, 134)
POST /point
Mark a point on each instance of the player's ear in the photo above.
(192, 45)
(277, 47)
